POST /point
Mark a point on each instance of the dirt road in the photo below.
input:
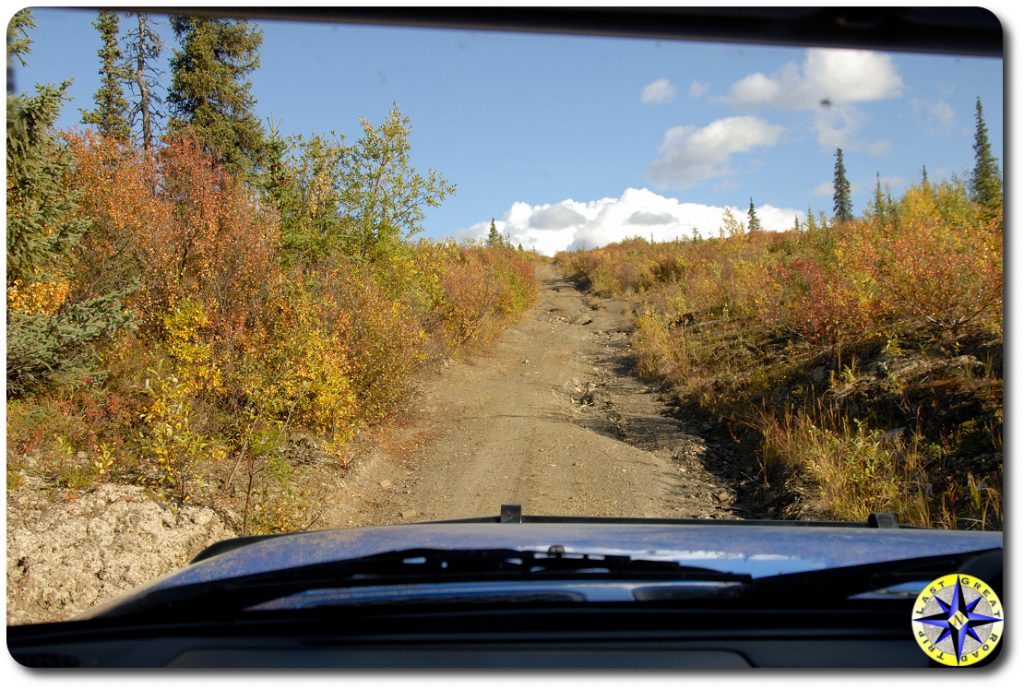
(550, 417)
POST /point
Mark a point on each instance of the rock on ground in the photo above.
(66, 557)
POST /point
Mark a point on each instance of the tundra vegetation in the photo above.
(858, 358)
(183, 310)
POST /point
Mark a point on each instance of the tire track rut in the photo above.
(551, 417)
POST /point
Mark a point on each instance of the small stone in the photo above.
(408, 514)
(385, 484)
(723, 496)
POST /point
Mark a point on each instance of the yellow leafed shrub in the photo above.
(42, 297)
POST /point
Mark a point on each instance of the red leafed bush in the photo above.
(178, 225)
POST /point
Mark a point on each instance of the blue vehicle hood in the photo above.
(745, 548)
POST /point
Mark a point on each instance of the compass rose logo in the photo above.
(957, 620)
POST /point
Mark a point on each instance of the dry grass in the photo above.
(864, 360)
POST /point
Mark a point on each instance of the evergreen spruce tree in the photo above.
(111, 113)
(47, 333)
(279, 185)
(142, 51)
(811, 225)
(877, 211)
(494, 238)
(986, 181)
(924, 176)
(753, 222)
(892, 214)
(210, 90)
(796, 223)
(18, 41)
(842, 208)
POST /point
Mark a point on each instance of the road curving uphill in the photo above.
(551, 417)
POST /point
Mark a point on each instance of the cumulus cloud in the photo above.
(689, 155)
(937, 114)
(637, 212)
(648, 218)
(555, 218)
(756, 90)
(880, 147)
(827, 75)
(830, 82)
(660, 91)
(837, 126)
(698, 88)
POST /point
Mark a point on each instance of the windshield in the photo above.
(271, 276)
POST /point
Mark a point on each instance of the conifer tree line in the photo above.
(210, 92)
(985, 184)
(985, 187)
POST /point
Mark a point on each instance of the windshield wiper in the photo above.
(412, 566)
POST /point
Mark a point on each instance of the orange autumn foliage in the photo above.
(177, 226)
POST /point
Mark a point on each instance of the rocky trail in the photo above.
(550, 417)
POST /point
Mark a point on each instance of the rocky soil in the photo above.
(65, 556)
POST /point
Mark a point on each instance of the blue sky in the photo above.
(523, 123)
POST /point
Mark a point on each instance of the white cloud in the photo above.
(555, 218)
(937, 114)
(880, 147)
(689, 155)
(648, 218)
(660, 91)
(638, 212)
(823, 189)
(835, 77)
(837, 126)
(756, 90)
(829, 82)
(698, 88)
